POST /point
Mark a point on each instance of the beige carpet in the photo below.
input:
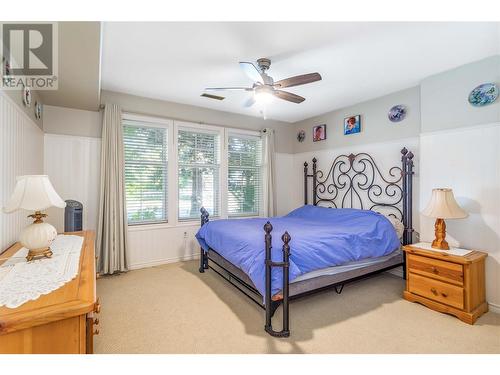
(174, 309)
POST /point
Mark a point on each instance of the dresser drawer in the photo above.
(436, 290)
(445, 271)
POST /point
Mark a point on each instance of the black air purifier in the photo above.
(73, 216)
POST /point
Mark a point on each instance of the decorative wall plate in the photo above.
(38, 110)
(301, 135)
(483, 94)
(27, 96)
(397, 113)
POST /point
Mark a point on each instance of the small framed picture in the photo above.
(27, 96)
(352, 124)
(319, 133)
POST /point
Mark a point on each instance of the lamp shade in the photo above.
(33, 193)
(443, 205)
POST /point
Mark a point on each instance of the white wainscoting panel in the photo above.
(468, 161)
(21, 153)
(73, 166)
(152, 246)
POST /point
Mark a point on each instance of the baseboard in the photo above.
(494, 307)
(160, 262)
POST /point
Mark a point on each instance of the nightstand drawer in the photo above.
(445, 271)
(436, 290)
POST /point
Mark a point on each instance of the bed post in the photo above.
(409, 197)
(203, 255)
(404, 171)
(315, 182)
(268, 240)
(305, 182)
(407, 171)
(270, 308)
(286, 284)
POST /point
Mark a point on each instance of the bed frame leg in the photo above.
(270, 304)
(203, 261)
(203, 255)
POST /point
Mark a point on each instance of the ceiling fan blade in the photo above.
(298, 80)
(228, 89)
(285, 95)
(251, 71)
(250, 102)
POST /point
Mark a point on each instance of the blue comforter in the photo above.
(321, 237)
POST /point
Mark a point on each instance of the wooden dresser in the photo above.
(60, 322)
(446, 282)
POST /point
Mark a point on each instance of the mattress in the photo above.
(330, 271)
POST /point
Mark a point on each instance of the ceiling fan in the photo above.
(264, 86)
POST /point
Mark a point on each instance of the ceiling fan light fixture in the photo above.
(263, 97)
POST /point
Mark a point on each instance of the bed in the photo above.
(317, 247)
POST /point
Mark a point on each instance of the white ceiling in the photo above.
(358, 61)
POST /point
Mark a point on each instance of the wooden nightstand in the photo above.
(450, 281)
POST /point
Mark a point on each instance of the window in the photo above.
(199, 171)
(146, 156)
(244, 182)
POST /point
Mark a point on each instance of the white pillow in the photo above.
(397, 224)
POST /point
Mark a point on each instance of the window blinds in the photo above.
(244, 175)
(146, 157)
(199, 171)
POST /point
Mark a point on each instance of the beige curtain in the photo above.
(269, 159)
(112, 227)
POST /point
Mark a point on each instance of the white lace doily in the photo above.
(22, 281)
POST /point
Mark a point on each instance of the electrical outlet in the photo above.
(185, 235)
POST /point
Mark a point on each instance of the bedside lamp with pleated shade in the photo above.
(35, 193)
(442, 206)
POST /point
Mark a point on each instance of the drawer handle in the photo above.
(435, 270)
(96, 332)
(434, 291)
(97, 306)
(444, 295)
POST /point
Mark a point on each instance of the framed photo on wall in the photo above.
(352, 124)
(319, 133)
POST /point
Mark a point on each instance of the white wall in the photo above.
(70, 121)
(468, 161)
(73, 166)
(21, 153)
(285, 189)
(375, 125)
(444, 96)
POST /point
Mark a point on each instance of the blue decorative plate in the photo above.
(397, 113)
(483, 94)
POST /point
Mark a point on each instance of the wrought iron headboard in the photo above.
(355, 181)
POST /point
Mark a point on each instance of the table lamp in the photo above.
(442, 206)
(35, 193)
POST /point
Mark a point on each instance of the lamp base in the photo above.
(38, 237)
(39, 253)
(440, 242)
